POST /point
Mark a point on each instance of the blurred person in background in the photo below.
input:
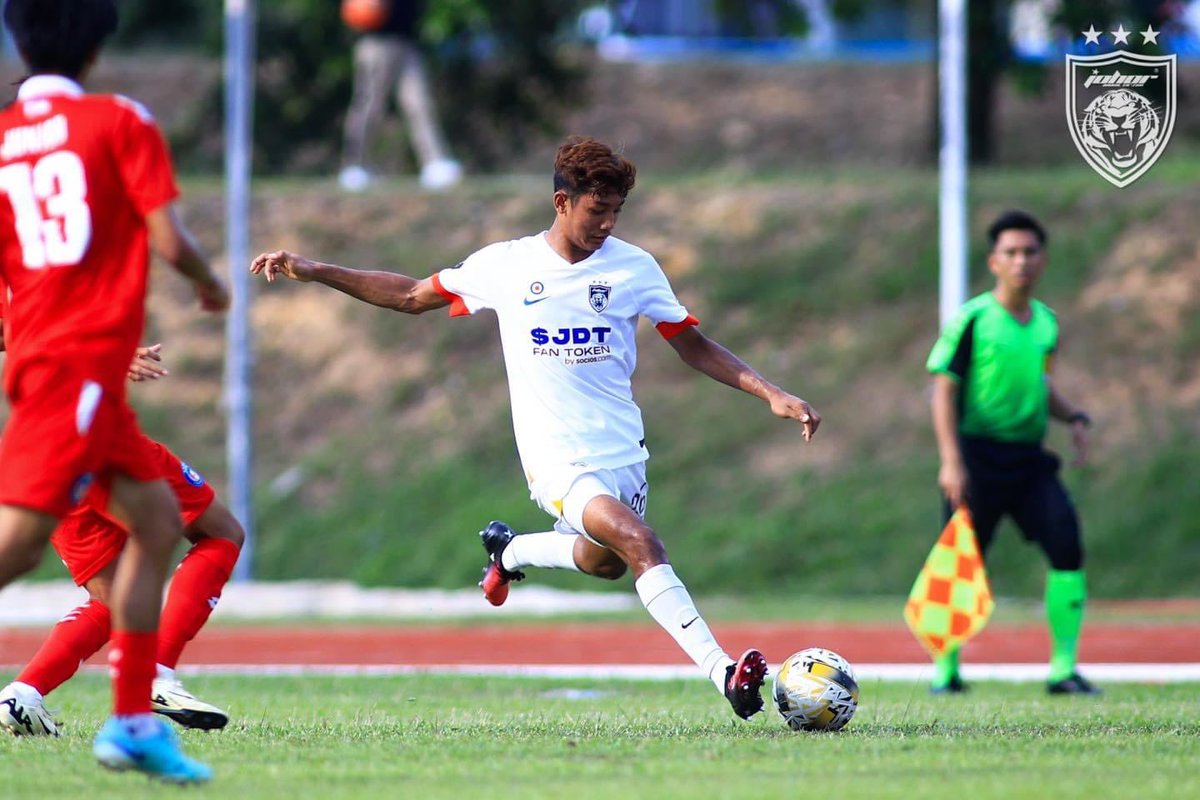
(387, 58)
(992, 398)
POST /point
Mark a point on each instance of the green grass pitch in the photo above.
(456, 737)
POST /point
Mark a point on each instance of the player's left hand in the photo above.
(147, 364)
(789, 406)
(1082, 443)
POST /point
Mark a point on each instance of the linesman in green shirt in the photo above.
(992, 399)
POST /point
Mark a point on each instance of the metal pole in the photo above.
(239, 101)
(952, 173)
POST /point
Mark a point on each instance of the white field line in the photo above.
(1014, 673)
(44, 602)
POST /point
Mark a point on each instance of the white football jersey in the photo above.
(568, 335)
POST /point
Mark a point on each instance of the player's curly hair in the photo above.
(60, 36)
(586, 166)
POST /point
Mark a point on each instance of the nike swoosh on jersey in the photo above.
(529, 302)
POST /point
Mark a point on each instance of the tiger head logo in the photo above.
(1121, 127)
(1120, 111)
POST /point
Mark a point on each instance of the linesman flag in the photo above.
(951, 600)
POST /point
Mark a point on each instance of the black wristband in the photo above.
(1080, 416)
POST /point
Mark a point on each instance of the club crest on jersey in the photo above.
(80, 487)
(190, 475)
(598, 296)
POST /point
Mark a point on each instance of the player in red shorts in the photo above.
(86, 186)
(88, 541)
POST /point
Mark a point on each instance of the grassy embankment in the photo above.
(393, 434)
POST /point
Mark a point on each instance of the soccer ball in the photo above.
(815, 690)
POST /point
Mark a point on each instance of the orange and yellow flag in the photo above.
(951, 600)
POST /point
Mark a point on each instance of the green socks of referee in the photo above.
(946, 679)
(1066, 593)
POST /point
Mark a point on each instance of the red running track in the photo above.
(637, 644)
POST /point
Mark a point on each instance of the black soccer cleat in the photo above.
(496, 578)
(743, 683)
(1072, 684)
(955, 685)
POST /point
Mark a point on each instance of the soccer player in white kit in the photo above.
(568, 302)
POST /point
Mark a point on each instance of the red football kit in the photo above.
(89, 538)
(78, 175)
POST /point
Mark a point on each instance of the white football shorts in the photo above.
(565, 492)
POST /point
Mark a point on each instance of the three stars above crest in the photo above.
(1120, 35)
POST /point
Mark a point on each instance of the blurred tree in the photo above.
(193, 23)
(498, 66)
(502, 71)
(990, 54)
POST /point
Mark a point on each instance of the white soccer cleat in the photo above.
(169, 698)
(23, 714)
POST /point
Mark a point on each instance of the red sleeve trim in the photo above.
(669, 330)
(458, 307)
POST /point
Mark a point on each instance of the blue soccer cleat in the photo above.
(158, 755)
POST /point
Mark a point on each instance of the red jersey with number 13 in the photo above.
(78, 175)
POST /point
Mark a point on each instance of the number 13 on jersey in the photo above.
(50, 209)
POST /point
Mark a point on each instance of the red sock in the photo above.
(132, 665)
(195, 590)
(75, 638)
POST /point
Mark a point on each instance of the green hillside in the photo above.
(384, 441)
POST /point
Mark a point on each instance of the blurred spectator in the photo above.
(387, 58)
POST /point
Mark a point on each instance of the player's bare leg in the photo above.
(24, 534)
(615, 526)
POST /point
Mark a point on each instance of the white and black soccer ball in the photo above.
(815, 690)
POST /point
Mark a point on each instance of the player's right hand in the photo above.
(952, 478)
(281, 262)
(212, 294)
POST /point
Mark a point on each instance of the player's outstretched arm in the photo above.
(171, 240)
(714, 360)
(384, 289)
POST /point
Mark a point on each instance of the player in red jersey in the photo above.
(86, 184)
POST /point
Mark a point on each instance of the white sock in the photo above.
(549, 550)
(164, 673)
(668, 601)
(26, 693)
